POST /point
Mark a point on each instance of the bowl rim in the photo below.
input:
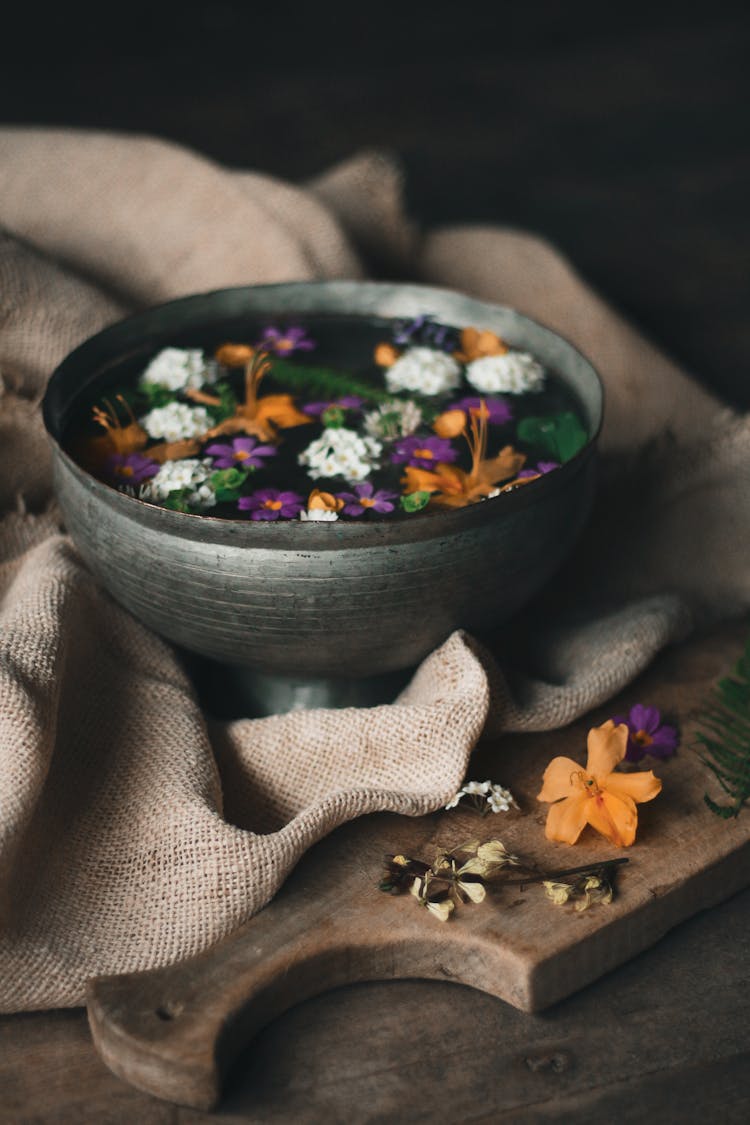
(299, 534)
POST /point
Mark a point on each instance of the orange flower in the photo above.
(386, 355)
(450, 423)
(597, 795)
(259, 416)
(454, 487)
(117, 438)
(234, 355)
(323, 502)
(475, 344)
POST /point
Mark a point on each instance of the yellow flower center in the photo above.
(284, 344)
(240, 455)
(272, 505)
(643, 738)
(425, 454)
(125, 470)
(366, 502)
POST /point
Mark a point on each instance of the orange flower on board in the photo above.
(455, 488)
(596, 795)
(260, 417)
(475, 344)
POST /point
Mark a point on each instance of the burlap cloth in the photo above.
(133, 831)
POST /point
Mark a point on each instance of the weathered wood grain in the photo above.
(174, 1032)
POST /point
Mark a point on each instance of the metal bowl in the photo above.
(340, 599)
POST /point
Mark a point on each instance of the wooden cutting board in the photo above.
(173, 1032)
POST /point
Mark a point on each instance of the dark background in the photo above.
(619, 132)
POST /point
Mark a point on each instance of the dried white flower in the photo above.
(500, 799)
(484, 793)
(340, 452)
(174, 476)
(425, 371)
(512, 373)
(176, 421)
(394, 419)
(318, 515)
(178, 368)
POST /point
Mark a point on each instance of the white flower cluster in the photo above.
(394, 419)
(176, 421)
(339, 452)
(498, 798)
(513, 373)
(174, 476)
(423, 370)
(178, 368)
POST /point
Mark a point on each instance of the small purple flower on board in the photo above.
(270, 504)
(647, 734)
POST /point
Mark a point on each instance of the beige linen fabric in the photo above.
(134, 831)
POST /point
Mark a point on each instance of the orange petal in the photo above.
(559, 779)
(234, 355)
(386, 355)
(639, 787)
(419, 480)
(614, 816)
(507, 464)
(490, 344)
(607, 745)
(280, 410)
(567, 819)
(469, 338)
(450, 424)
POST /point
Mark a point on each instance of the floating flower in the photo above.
(322, 507)
(498, 410)
(131, 468)
(541, 468)
(454, 487)
(117, 438)
(397, 418)
(189, 476)
(475, 344)
(425, 371)
(234, 355)
(270, 504)
(341, 452)
(647, 734)
(364, 498)
(286, 341)
(243, 452)
(511, 373)
(425, 331)
(596, 795)
(346, 402)
(178, 368)
(176, 421)
(386, 355)
(422, 452)
(258, 416)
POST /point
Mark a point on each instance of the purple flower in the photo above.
(498, 410)
(285, 341)
(346, 402)
(270, 504)
(364, 497)
(422, 452)
(243, 453)
(647, 734)
(131, 468)
(542, 468)
(425, 332)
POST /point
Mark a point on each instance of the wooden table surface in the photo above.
(619, 136)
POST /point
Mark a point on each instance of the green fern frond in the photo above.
(324, 382)
(724, 737)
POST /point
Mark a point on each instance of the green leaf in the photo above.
(156, 395)
(232, 479)
(560, 435)
(177, 501)
(724, 739)
(415, 501)
(324, 382)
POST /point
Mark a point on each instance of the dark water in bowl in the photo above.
(345, 344)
